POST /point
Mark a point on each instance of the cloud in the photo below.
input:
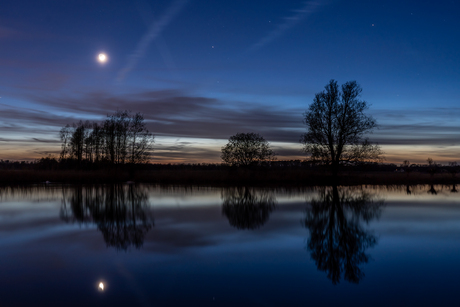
(22, 119)
(155, 29)
(184, 154)
(174, 113)
(308, 8)
(424, 126)
(207, 122)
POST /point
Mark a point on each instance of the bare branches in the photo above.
(244, 149)
(121, 138)
(336, 125)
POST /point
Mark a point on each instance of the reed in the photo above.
(222, 177)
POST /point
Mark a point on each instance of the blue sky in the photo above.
(202, 71)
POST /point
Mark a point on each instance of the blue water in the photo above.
(177, 246)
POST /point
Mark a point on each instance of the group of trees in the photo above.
(122, 138)
(335, 122)
(336, 125)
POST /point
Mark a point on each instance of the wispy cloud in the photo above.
(177, 114)
(155, 29)
(307, 9)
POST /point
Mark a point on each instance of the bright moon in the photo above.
(101, 286)
(102, 58)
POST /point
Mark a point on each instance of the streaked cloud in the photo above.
(154, 31)
(192, 128)
(298, 15)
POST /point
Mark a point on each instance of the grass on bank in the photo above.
(223, 177)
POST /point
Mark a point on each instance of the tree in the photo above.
(77, 141)
(244, 149)
(140, 140)
(336, 125)
(97, 136)
(65, 134)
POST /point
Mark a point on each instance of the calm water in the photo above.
(176, 246)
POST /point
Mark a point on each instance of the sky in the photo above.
(201, 71)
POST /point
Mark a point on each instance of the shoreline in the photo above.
(239, 177)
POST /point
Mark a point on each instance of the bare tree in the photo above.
(97, 136)
(244, 149)
(77, 141)
(109, 128)
(140, 140)
(336, 125)
(123, 123)
(65, 134)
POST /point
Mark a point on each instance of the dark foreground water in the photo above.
(176, 246)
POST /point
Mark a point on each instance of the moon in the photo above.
(102, 58)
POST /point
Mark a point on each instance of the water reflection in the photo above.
(408, 191)
(247, 208)
(120, 212)
(338, 241)
(432, 190)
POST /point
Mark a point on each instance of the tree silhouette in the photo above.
(120, 212)
(336, 125)
(247, 208)
(121, 138)
(244, 149)
(337, 240)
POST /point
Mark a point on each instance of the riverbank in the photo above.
(224, 177)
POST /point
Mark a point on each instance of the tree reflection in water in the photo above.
(121, 212)
(337, 240)
(432, 190)
(247, 208)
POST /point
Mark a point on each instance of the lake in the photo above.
(142, 245)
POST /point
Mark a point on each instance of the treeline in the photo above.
(122, 138)
(51, 163)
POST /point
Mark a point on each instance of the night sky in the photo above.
(201, 71)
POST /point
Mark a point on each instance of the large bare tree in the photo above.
(336, 125)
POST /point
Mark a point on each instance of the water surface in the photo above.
(169, 246)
